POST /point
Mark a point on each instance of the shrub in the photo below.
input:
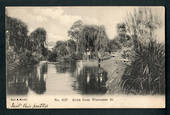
(146, 74)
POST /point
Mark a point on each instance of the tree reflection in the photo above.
(64, 67)
(91, 80)
(32, 77)
(36, 79)
(17, 82)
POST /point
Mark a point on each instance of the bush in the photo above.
(146, 74)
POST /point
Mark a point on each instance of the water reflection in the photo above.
(63, 67)
(70, 77)
(17, 82)
(36, 80)
(91, 80)
(24, 78)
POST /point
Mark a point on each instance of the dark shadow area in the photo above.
(91, 80)
(37, 81)
(20, 81)
(17, 82)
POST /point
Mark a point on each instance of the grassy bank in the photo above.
(115, 69)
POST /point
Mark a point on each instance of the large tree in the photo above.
(94, 38)
(16, 39)
(102, 39)
(38, 41)
(16, 31)
(74, 32)
(88, 37)
(38, 38)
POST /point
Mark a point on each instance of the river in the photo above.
(57, 79)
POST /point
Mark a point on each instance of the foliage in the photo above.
(146, 74)
(71, 45)
(52, 56)
(74, 32)
(127, 54)
(21, 48)
(38, 39)
(142, 23)
(38, 44)
(60, 49)
(16, 31)
(88, 37)
(83, 37)
(113, 46)
(63, 49)
(121, 29)
(94, 38)
(76, 56)
(123, 38)
(102, 39)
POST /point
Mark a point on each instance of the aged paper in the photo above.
(85, 57)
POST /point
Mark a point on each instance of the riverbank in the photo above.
(115, 69)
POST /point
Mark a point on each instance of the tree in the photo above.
(94, 38)
(102, 39)
(16, 39)
(21, 48)
(74, 32)
(60, 49)
(88, 37)
(17, 33)
(38, 38)
(38, 42)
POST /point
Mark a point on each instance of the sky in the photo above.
(58, 20)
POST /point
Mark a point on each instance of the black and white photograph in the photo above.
(85, 56)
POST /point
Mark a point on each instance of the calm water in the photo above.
(52, 79)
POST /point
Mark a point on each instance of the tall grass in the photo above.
(146, 74)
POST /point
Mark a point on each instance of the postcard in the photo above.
(85, 57)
